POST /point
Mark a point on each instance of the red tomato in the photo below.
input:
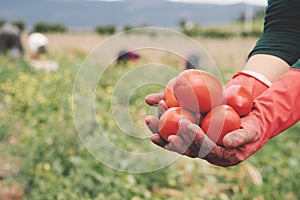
(169, 96)
(220, 121)
(240, 99)
(198, 91)
(168, 123)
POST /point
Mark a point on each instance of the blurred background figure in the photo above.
(10, 41)
(192, 61)
(38, 45)
(124, 56)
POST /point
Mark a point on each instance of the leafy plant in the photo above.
(107, 29)
(45, 28)
(36, 126)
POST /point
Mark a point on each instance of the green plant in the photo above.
(45, 28)
(107, 29)
(20, 24)
(37, 128)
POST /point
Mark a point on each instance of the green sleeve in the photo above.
(296, 64)
(281, 35)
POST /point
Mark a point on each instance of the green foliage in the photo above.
(221, 32)
(209, 32)
(20, 24)
(216, 33)
(253, 33)
(128, 28)
(191, 31)
(2, 21)
(279, 162)
(236, 29)
(105, 30)
(36, 109)
(45, 27)
(60, 28)
(41, 27)
(257, 16)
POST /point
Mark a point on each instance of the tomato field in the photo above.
(43, 157)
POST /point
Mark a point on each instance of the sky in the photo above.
(256, 2)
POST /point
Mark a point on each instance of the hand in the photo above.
(273, 112)
(193, 142)
(153, 99)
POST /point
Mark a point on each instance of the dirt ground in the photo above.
(9, 189)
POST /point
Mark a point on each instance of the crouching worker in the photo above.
(10, 41)
(124, 56)
(38, 45)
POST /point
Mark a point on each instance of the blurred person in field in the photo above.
(38, 43)
(10, 41)
(192, 61)
(124, 56)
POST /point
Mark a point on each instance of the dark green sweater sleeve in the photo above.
(281, 35)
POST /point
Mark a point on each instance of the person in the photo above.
(126, 55)
(271, 74)
(37, 44)
(192, 61)
(10, 40)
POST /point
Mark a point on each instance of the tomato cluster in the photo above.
(199, 96)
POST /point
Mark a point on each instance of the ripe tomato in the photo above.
(168, 123)
(169, 96)
(240, 99)
(220, 121)
(198, 91)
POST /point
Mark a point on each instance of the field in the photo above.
(42, 156)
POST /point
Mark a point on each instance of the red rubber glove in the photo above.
(275, 110)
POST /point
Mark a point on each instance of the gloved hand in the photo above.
(253, 82)
(274, 110)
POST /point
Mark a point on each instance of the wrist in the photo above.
(270, 66)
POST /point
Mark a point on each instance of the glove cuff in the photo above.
(259, 77)
(255, 83)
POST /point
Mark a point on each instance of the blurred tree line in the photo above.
(41, 27)
(111, 29)
(44, 27)
(237, 28)
(20, 24)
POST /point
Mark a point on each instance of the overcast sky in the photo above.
(256, 2)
